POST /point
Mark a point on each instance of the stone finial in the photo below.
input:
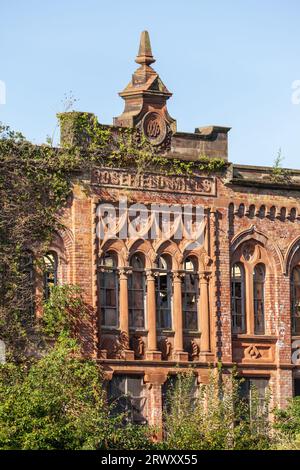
(145, 99)
(145, 53)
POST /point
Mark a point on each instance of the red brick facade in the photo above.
(249, 217)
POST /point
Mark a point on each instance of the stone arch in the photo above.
(291, 252)
(142, 246)
(171, 248)
(204, 261)
(119, 248)
(253, 234)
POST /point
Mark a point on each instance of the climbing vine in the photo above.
(35, 186)
(125, 148)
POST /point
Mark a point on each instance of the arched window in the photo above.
(295, 298)
(163, 288)
(238, 298)
(190, 294)
(259, 276)
(50, 273)
(109, 291)
(27, 269)
(136, 292)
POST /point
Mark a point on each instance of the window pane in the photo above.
(190, 295)
(126, 394)
(238, 298)
(163, 287)
(136, 292)
(50, 273)
(259, 286)
(109, 297)
(295, 299)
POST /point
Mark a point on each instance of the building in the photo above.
(164, 303)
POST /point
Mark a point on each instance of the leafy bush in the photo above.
(59, 403)
(216, 418)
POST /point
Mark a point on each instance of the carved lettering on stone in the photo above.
(119, 178)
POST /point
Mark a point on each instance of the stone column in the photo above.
(123, 309)
(154, 381)
(204, 314)
(178, 354)
(152, 352)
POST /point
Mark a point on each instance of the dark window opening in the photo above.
(238, 298)
(109, 291)
(295, 298)
(253, 390)
(50, 273)
(125, 394)
(297, 387)
(163, 287)
(190, 295)
(136, 292)
(259, 299)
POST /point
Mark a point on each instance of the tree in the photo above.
(287, 423)
(59, 402)
(215, 418)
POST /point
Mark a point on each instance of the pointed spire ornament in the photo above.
(145, 56)
(145, 98)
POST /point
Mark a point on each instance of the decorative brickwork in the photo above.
(249, 219)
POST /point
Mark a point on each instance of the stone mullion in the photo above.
(249, 293)
(124, 312)
(152, 352)
(204, 313)
(179, 354)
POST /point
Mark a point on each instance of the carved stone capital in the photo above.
(204, 277)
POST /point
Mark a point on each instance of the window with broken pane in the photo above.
(190, 294)
(136, 291)
(163, 288)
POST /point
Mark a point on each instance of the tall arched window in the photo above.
(109, 291)
(295, 298)
(259, 276)
(163, 288)
(190, 294)
(136, 292)
(238, 298)
(50, 273)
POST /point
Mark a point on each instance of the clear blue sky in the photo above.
(228, 63)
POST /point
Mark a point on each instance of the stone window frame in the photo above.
(131, 289)
(294, 317)
(133, 404)
(50, 272)
(242, 299)
(251, 253)
(184, 292)
(101, 273)
(168, 271)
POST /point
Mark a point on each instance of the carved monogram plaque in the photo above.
(154, 128)
(119, 178)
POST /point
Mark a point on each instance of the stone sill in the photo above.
(194, 333)
(255, 338)
(162, 332)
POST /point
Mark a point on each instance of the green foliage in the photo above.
(216, 418)
(59, 403)
(126, 148)
(288, 420)
(64, 311)
(35, 186)
(279, 174)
